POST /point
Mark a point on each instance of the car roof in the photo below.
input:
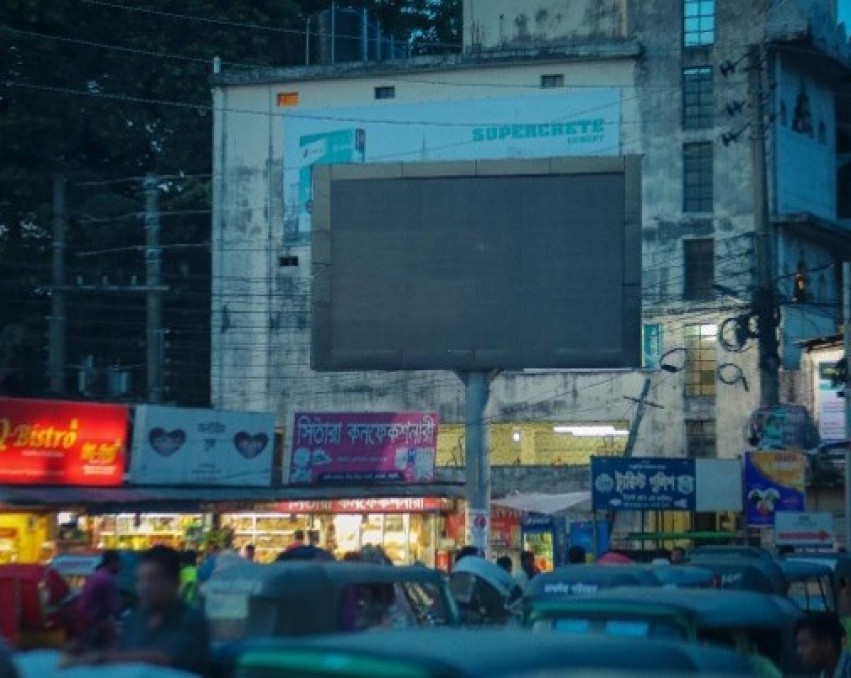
(474, 652)
(712, 608)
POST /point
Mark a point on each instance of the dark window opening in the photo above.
(699, 268)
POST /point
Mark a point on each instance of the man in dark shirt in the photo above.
(163, 630)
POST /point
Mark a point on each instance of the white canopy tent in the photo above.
(547, 504)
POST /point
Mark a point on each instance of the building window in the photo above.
(698, 23)
(700, 439)
(386, 92)
(697, 177)
(700, 344)
(698, 98)
(552, 81)
(699, 268)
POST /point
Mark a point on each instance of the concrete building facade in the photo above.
(669, 82)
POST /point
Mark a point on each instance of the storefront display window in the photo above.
(139, 531)
(270, 533)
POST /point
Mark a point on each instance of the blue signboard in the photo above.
(643, 484)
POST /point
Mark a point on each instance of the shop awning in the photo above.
(136, 497)
(548, 504)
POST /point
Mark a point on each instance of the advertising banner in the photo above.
(542, 125)
(829, 406)
(177, 446)
(804, 530)
(774, 482)
(347, 447)
(643, 484)
(52, 442)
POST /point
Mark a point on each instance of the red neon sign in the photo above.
(49, 442)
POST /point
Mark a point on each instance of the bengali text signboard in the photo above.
(346, 447)
(643, 484)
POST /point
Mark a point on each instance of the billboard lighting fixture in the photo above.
(591, 431)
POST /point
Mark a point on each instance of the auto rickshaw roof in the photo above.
(710, 608)
(578, 579)
(749, 574)
(802, 570)
(289, 577)
(839, 563)
(478, 652)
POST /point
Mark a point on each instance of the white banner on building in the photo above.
(537, 125)
(830, 407)
(719, 484)
(177, 446)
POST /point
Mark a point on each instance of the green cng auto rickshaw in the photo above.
(251, 601)
(757, 625)
(490, 653)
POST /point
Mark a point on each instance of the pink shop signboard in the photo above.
(373, 447)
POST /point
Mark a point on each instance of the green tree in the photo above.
(101, 91)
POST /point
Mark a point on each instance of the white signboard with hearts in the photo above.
(179, 446)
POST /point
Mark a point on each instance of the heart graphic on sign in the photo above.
(166, 443)
(250, 446)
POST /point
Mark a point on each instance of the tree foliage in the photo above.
(105, 92)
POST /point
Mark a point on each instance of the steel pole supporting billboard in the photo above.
(477, 457)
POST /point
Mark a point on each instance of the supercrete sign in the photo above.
(51, 442)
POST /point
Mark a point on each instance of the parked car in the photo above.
(485, 653)
(740, 619)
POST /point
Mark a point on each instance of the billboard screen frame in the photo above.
(326, 357)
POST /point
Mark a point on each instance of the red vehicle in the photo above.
(33, 614)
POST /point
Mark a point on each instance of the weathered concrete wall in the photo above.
(261, 314)
(517, 24)
(529, 479)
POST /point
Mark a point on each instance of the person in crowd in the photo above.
(208, 565)
(100, 603)
(819, 644)
(297, 542)
(375, 555)
(465, 551)
(7, 663)
(528, 570)
(189, 578)
(505, 563)
(249, 552)
(678, 555)
(576, 555)
(162, 630)
(352, 557)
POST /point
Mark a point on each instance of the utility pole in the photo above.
(56, 347)
(153, 262)
(639, 415)
(846, 330)
(763, 297)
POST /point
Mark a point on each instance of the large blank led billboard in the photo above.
(479, 265)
